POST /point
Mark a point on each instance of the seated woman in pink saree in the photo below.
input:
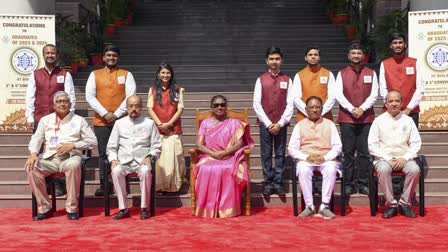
(220, 171)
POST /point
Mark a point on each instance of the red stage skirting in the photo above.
(273, 228)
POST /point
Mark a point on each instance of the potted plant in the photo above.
(351, 31)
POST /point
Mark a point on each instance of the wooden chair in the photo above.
(302, 202)
(130, 176)
(373, 186)
(53, 178)
(200, 116)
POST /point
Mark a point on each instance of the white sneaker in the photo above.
(307, 212)
(325, 213)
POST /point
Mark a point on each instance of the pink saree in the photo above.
(218, 194)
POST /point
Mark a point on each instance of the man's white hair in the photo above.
(60, 94)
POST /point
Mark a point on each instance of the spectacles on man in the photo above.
(217, 105)
(65, 101)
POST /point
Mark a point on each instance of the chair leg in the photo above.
(53, 197)
(152, 198)
(294, 190)
(33, 205)
(106, 192)
(247, 213)
(372, 195)
(332, 202)
(192, 191)
(421, 192)
(343, 199)
(81, 192)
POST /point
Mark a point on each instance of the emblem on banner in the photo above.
(25, 61)
(437, 57)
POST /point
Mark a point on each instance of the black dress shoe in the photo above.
(43, 216)
(99, 192)
(363, 190)
(144, 214)
(72, 216)
(407, 211)
(268, 190)
(279, 190)
(59, 191)
(124, 213)
(390, 212)
(349, 190)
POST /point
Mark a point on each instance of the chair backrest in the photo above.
(237, 114)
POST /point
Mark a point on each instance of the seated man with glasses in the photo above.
(64, 135)
(133, 142)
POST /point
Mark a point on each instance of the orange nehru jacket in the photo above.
(110, 91)
(314, 85)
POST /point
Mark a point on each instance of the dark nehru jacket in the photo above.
(357, 87)
(397, 79)
(46, 86)
(167, 110)
(274, 91)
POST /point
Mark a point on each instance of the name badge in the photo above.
(121, 79)
(60, 79)
(367, 79)
(323, 80)
(54, 141)
(283, 84)
(409, 70)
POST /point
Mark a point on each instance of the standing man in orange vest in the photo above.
(314, 80)
(403, 74)
(357, 91)
(273, 104)
(42, 85)
(106, 92)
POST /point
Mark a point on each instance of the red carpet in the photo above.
(273, 228)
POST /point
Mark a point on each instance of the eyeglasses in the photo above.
(62, 101)
(216, 105)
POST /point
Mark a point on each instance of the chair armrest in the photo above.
(193, 155)
(246, 154)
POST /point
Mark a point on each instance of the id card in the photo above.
(409, 70)
(368, 79)
(283, 84)
(323, 80)
(60, 79)
(121, 79)
(54, 141)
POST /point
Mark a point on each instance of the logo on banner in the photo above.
(25, 61)
(437, 57)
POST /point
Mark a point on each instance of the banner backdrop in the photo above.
(428, 43)
(22, 38)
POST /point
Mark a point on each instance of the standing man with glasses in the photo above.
(106, 92)
(42, 85)
(273, 104)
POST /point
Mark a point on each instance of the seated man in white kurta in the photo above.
(394, 141)
(316, 144)
(133, 142)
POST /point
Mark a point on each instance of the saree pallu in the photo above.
(218, 193)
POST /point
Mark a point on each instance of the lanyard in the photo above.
(57, 123)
